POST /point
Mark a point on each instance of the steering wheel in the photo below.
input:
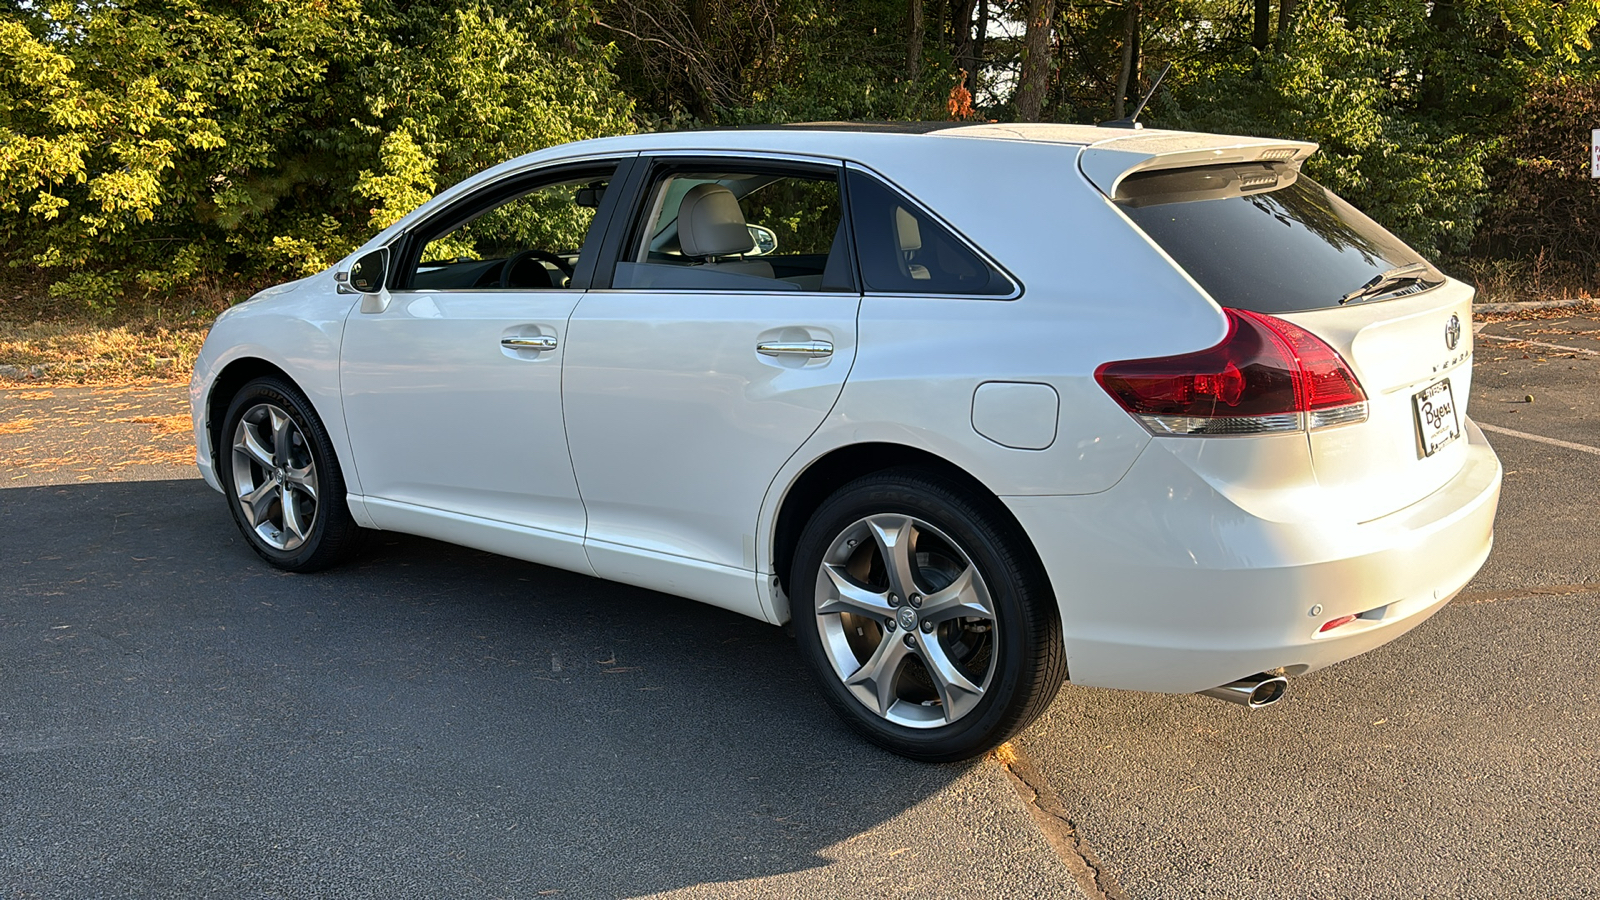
(518, 261)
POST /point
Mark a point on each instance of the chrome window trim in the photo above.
(726, 293)
(757, 155)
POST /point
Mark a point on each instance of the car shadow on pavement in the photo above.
(426, 721)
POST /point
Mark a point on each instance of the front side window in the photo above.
(531, 241)
(727, 230)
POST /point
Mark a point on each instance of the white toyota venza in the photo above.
(978, 408)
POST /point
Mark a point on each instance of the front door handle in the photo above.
(808, 349)
(536, 342)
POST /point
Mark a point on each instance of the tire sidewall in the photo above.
(974, 530)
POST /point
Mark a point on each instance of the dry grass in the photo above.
(90, 353)
(1587, 308)
(44, 341)
(1512, 281)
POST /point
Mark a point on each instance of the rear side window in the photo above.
(905, 251)
(1265, 238)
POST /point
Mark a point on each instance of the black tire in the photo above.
(1011, 647)
(274, 449)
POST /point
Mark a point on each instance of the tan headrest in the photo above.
(710, 223)
(905, 225)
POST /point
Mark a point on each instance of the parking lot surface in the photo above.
(179, 719)
(182, 720)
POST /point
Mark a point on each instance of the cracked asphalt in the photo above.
(179, 719)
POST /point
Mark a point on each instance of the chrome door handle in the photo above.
(808, 349)
(531, 342)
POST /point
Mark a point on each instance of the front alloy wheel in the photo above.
(282, 480)
(274, 477)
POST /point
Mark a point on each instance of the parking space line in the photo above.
(1517, 340)
(1554, 442)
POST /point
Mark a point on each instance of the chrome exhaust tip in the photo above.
(1255, 691)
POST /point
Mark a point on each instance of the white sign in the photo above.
(1594, 153)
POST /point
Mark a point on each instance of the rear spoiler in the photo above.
(1106, 163)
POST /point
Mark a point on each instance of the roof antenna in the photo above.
(1133, 120)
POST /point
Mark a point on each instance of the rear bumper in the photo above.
(1166, 585)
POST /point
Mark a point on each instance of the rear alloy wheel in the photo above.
(279, 471)
(926, 621)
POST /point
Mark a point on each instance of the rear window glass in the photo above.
(1266, 238)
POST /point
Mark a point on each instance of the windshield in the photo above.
(1265, 238)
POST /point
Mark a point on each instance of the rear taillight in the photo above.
(1268, 375)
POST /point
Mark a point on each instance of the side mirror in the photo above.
(766, 240)
(366, 277)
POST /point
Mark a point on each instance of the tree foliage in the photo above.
(156, 144)
(150, 145)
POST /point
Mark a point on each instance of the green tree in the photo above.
(154, 145)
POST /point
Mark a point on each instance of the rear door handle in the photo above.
(531, 342)
(808, 349)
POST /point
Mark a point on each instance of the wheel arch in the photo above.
(235, 375)
(838, 467)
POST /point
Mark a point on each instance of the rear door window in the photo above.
(732, 229)
(1266, 238)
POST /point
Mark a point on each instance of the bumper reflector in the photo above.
(1331, 624)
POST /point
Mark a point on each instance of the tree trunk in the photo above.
(1285, 23)
(914, 29)
(701, 102)
(1130, 57)
(1263, 25)
(1035, 79)
(961, 37)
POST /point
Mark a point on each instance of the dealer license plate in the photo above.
(1437, 421)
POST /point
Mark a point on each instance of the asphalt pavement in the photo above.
(181, 720)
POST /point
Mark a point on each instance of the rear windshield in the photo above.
(1265, 238)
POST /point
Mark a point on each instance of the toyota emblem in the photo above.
(1452, 333)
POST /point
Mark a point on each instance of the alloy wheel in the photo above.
(275, 477)
(906, 621)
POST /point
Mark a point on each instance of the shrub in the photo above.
(1546, 205)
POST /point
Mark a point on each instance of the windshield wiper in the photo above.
(1388, 281)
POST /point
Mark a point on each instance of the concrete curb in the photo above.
(1531, 304)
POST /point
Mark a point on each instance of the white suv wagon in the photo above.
(977, 408)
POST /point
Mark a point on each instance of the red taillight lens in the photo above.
(1267, 375)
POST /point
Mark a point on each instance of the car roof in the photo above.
(1105, 155)
(843, 135)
